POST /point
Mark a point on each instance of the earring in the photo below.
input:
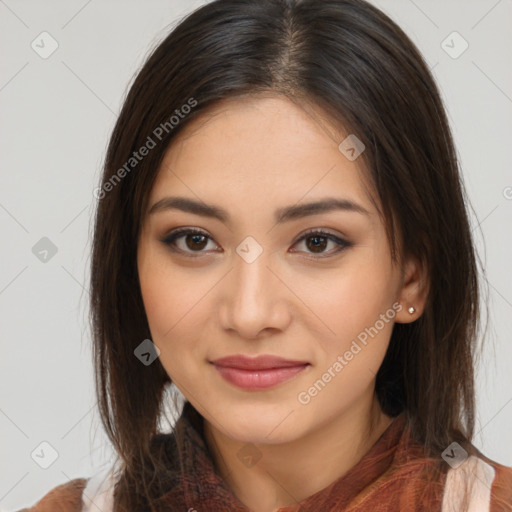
(411, 310)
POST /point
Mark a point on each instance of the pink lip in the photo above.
(259, 372)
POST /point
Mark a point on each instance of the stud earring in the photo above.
(411, 310)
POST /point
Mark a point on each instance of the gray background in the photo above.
(57, 114)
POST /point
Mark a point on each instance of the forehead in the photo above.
(262, 148)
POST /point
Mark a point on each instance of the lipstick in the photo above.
(255, 373)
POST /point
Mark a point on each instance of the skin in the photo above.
(252, 156)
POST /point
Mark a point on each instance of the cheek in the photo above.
(349, 359)
(156, 303)
(159, 295)
(352, 298)
(176, 307)
(168, 309)
(161, 290)
(357, 307)
(171, 328)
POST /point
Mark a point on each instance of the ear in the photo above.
(414, 290)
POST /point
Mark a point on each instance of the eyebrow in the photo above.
(281, 215)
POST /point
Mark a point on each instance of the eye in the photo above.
(195, 241)
(317, 240)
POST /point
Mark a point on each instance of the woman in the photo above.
(282, 234)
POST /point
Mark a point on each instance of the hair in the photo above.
(345, 58)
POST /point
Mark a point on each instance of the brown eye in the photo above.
(194, 240)
(317, 241)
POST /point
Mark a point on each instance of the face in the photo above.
(314, 287)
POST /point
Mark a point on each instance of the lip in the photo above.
(260, 372)
(265, 362)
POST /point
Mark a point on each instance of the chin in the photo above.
(259, 427)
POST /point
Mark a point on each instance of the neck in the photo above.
(287, 473)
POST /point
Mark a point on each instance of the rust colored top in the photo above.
(390, 477)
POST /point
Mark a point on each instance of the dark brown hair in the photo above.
(351, 61)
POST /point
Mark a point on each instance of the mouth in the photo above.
(262, 372)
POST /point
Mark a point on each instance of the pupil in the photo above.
(316, 245)
(195, 241)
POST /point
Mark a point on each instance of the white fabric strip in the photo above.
(473, 470)
(98, 494)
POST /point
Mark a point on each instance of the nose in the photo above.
(254, 299)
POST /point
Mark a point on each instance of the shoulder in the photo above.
(80, 495)
(489, 485)
(66, 497)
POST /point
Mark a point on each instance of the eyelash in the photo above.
(171, 238)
